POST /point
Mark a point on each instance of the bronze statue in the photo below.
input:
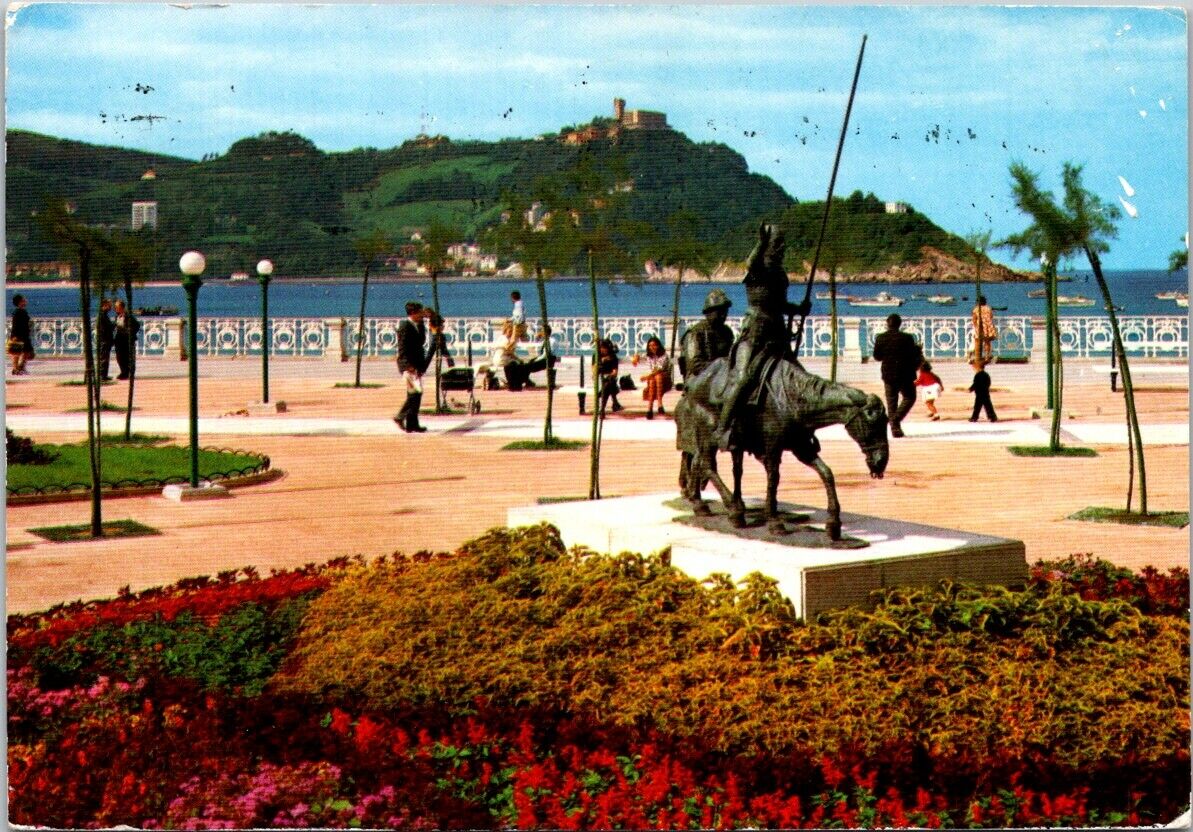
(794, 406)
(765, 338)
(709, 339)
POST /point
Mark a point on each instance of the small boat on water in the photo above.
(1038, 293)
(1183, 302)
(151, 311)
(881, 299)
(941, 300)
(1171, 294)
(239, 277)
(1073, 300)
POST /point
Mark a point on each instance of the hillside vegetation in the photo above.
(280, 196)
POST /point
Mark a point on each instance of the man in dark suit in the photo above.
(127, 327)
(106, 335)
(413, 360)
(901, 357)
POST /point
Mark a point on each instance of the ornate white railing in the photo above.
(1151, 336)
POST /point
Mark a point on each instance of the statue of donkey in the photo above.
(793, 406)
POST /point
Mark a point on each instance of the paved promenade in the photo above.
(354, 483)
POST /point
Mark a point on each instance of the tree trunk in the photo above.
(1125, 372)
(594, 472)
(440, 396)
(91, 380)
(132, 363)
(540, 284)
(360, 328)
(1055, 391)
(832, 318)
(674, 311)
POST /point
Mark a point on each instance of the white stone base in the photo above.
(813, 578)
(266, 408)
(184, 493)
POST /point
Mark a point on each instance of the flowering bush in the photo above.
(517, 684)
(1098, 580)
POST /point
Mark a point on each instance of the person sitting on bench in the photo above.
(517, 372)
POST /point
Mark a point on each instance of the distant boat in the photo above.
(829, 296)
(942, 300)
(1038, 293)
(150, 311)
(881, 299)
(1183, 302)
(239, 276)
(1073, 300)
(1171, 294)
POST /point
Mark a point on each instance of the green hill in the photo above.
(278, 195)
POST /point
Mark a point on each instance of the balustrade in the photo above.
(1151, 336)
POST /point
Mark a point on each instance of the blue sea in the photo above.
(1133, 291)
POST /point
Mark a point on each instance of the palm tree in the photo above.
(88, 246)
(1044, 241)
(1093, 224)
(368, 248)
(541, 240)
(1082, 224)
(682, 250)
(434, 258)
(1178, 260)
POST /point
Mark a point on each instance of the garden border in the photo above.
(262, 472)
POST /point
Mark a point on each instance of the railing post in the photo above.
(179, 338)
(336, 347)
(851, 349)
(1039, 341)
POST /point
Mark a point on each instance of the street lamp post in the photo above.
(264, 273)
(192, 265)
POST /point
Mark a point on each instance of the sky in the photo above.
(947, 98)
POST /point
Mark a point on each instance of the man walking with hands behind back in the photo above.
(413, 359)
(901, 357)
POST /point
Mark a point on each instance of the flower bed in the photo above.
(517, 684)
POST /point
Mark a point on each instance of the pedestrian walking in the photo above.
(981, 393)
(985, 333)
(413, 360)
(127, 328)
(932, 386)
(901, 357)
(20, 336)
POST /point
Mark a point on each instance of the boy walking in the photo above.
(981, 393)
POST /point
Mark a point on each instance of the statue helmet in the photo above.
(717, 299)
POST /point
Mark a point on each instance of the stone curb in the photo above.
(135, 491)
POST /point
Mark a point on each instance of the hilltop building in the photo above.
(895, 207)
(623, 119)
(144, 214)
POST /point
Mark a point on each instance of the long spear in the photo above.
(828, 201)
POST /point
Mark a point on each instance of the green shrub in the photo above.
(959, 673)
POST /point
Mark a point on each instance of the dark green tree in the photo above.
(681, 248)
(87, 247)
(369, 247)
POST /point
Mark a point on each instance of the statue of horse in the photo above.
(793, 406)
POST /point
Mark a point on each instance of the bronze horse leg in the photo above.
(833, 524)
(691, 483)
(738, 458)
(774, 523)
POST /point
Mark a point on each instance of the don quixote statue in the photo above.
(760, 400)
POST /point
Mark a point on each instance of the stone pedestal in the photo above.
(812, 574)
(184, 492)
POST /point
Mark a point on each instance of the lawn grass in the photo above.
(1102, 514)
(121, 465)
(134, 439)
(105, 407)
(540, 445)
(349, 385)
(112, 528)
(1044, 450)
(78, 382)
